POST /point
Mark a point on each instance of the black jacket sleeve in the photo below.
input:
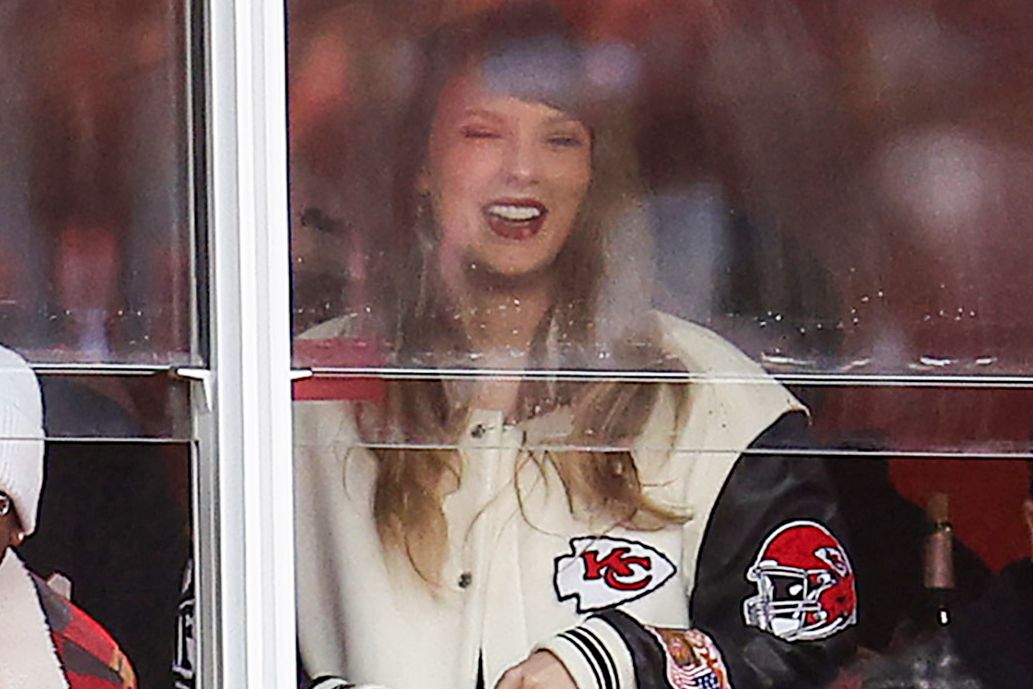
(772, 498)
(768, 489)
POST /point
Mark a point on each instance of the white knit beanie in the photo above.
(21, 437)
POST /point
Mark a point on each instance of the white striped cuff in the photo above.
(330, 683)
(338, 683)
(594, 654)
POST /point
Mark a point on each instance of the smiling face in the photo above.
(506, 179)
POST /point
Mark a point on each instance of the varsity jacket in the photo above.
(755, 590)
(48, 643)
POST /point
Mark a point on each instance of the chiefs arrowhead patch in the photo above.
(602, 572)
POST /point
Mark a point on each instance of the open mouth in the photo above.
(516, 219)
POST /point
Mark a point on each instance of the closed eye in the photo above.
(566, 141)
(478, 133)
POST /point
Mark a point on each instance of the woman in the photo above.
(530, 530)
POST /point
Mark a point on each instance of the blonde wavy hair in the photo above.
(601, 314)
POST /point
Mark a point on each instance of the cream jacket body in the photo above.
(363, 615)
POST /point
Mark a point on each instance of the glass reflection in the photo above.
(116, 408)
(94, 194)
(812, 186)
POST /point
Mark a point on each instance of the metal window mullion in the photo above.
(251, 344)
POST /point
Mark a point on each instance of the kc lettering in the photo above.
(602, 572)
(617, 569)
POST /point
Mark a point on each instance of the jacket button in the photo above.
(478, 431)
(465, 579)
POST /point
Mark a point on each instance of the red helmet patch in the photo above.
(805, 584)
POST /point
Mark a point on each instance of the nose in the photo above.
(522, 162)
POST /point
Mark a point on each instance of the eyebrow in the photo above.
(565, 119)
(553, 120)
(478, 112)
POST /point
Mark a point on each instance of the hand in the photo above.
(540, 671)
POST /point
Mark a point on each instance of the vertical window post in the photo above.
(251, 343)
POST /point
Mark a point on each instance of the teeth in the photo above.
(514, 213)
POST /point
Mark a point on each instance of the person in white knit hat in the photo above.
(21, 450)
(45, 641)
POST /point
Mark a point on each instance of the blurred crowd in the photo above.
(95, 195)
(835, 186)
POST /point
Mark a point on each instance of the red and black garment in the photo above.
(88, 655)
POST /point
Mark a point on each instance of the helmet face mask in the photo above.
(804, 582)
(787, 603)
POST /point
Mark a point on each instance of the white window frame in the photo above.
(245, 625)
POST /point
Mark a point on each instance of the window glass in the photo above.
(97, 282)
(142, 408)
(601, 296)
(94, 199)
(114, 521)
(836, 190)
(102, 528)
